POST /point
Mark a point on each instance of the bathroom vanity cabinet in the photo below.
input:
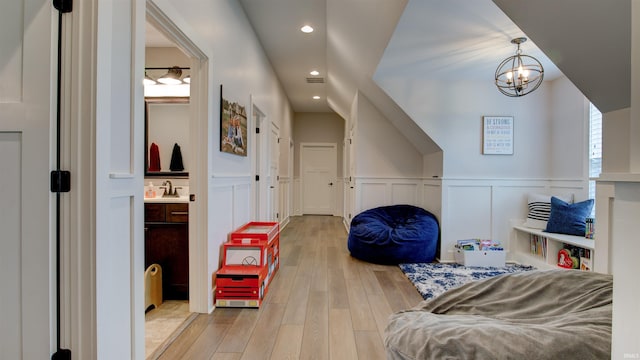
(167, 244)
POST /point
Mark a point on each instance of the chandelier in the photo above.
(519, 75)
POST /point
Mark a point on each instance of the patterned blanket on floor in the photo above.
(432, 279)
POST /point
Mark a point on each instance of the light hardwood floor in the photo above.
(322, 304)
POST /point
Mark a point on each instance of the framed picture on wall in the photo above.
(233, 126)
(497, 135)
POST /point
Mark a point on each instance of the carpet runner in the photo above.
(432, 279)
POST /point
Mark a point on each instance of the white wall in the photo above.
(237, 61)
(618, 208)
(317, 128)
(451, 114)
(616, 139)
(569, 130)
(381, 150)
(480, 194)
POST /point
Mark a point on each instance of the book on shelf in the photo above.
(589, 228)
(538, 245)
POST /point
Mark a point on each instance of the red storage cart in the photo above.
(250, 259)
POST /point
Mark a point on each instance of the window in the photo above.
(595, 147)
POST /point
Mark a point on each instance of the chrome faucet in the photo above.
(168, 191)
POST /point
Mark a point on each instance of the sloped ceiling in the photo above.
(458, 40)
(589, 40)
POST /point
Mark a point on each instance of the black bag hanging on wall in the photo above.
(176, 159)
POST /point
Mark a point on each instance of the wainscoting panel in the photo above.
(405, 193)
(432, 197)
(373, 192)
(486, 208)
(230, 207)
(114, 264)
(285, 201)
(371, 195)
(297, 197)
(465, 208)
(468, 212)
(11, 257)
(241, 204)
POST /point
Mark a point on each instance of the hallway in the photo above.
(322, 304)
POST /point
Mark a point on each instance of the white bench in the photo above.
(545, 256)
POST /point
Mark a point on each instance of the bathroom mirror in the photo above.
(166, 125)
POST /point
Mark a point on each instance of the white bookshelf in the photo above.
(521, 247)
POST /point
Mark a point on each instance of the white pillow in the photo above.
(539, 209)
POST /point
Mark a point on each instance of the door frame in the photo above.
(198, 137)
(305, 145)
(259, 162)
(273, 207)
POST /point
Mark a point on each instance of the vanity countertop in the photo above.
(160, 199)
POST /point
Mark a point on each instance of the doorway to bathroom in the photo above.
(176, 163)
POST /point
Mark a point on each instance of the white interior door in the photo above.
(258, 157)
(274, 157)
(27, 274)
(318, 164)
(119, 208)
(348, 180)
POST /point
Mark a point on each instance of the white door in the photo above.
(274, 157)
(318, 164)
(347, 212)
(27, 318)
(119, 154)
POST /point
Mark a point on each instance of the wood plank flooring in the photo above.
(322, 304)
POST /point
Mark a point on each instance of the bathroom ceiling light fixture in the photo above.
(520, 74)
(306, 29)
(166, 75)
(314, 72)
(172, 77)
(148, 80)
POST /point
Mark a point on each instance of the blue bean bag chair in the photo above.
(393, 235)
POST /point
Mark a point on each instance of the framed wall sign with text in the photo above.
(497, 135)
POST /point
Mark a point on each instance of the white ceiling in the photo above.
(293, 53)
(441, 39)
(453, 39)
(589, 40)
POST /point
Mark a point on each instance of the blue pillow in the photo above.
(568, 218)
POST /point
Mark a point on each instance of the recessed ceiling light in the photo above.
(316, 97)
(306, 29)
(315, 73)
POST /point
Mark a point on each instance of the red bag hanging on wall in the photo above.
(154, 158)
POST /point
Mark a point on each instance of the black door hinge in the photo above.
(62, 354)
(257, 177)
(60, 181)
(257, 130)
(64, 6)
